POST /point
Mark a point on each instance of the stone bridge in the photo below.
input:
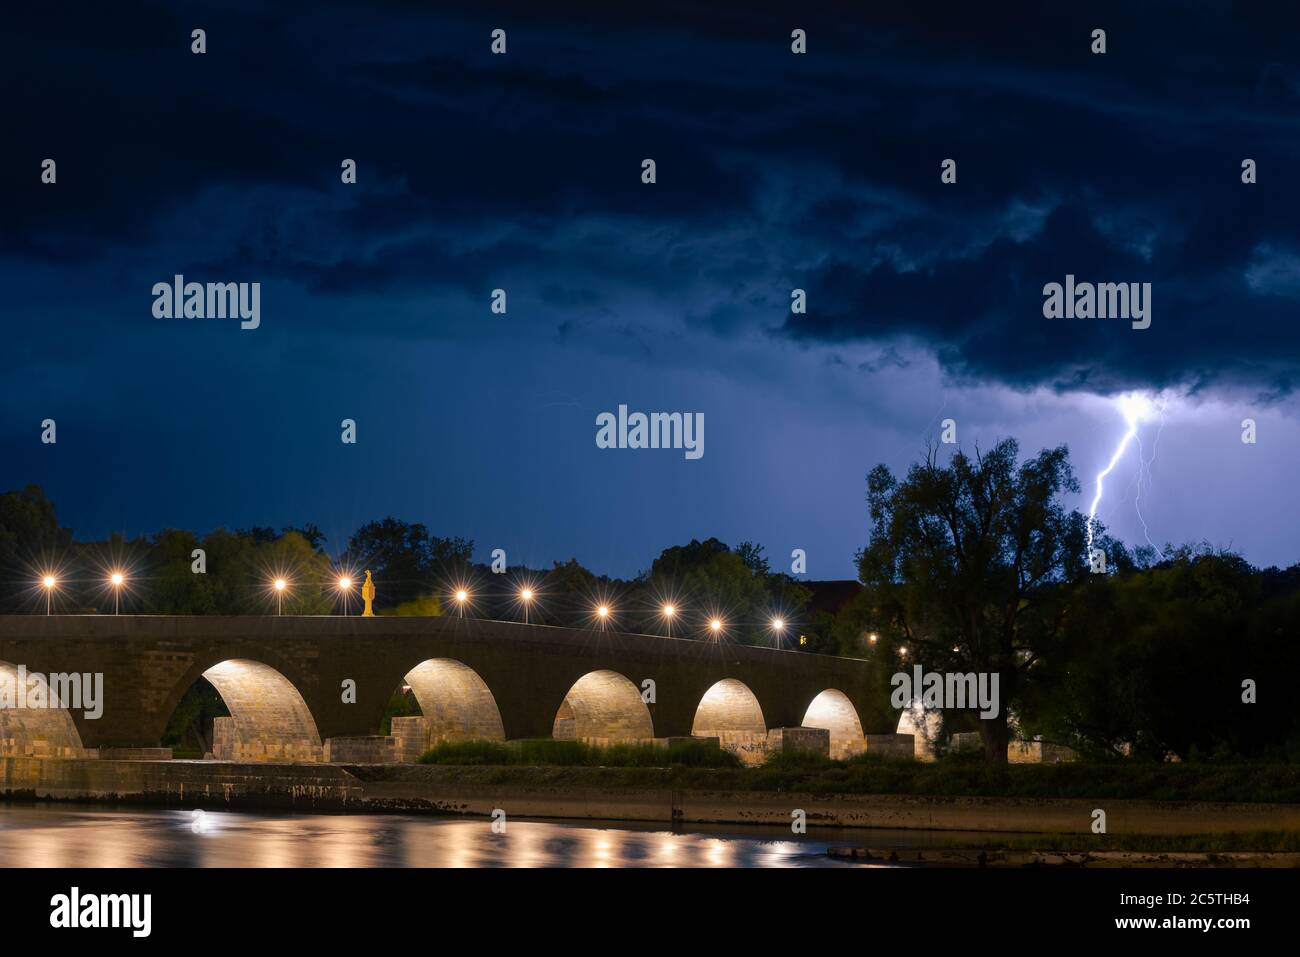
(316, 688)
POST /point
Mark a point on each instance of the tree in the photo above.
(232, 572)
(852, 626)
(571, 593)
(735, 585)
(752, 556)
(408, 563)
(190, 726)
(30, 541)
(967, 562)
(311, 590)
(173, 587)
(313, 535)
(1153, 662)
(426, 606)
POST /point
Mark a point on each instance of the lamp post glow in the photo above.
(777, 625)
(462, 596)
(345, 589)
(668, 611)
(117, 580)
(280, 585)
(48, 582)
(715, 625)
(526, 596)
(602, 612)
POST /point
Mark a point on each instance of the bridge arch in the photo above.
(40, 732)
(455, 701)
(603, 707)
(833, 711)
(269, 720)
(730, 712)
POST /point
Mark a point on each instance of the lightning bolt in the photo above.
(1143, 480)
(1137, 493)
(1144, 471)
(1134, 408)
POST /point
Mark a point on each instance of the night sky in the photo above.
(775, 171)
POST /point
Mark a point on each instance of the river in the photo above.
(64, 835)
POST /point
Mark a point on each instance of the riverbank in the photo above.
(657, 795)
(961, 776)
(1000, 857)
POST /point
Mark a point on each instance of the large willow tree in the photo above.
(966, 561)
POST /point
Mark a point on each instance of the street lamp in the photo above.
(345, 589)
(668, 611)
(602, 612)
(778, 631)
(117, 579)
(462, 596)
(715, 625)
(526, 596)
(280, 585)
(49, 582)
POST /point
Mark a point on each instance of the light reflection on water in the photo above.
(62, 836)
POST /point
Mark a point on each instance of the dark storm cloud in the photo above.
(775, 171)
(983, 313)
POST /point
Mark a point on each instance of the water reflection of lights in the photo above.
(524, 848)
(719, 853)
(600, 847)
(113, 855)
(60, 837)
(778, 853)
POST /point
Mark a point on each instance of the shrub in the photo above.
(547, 751)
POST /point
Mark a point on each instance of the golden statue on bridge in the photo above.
(368, 594)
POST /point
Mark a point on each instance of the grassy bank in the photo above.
(1262, 842)
(967, 776)
(549, 752)
(568, 764)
